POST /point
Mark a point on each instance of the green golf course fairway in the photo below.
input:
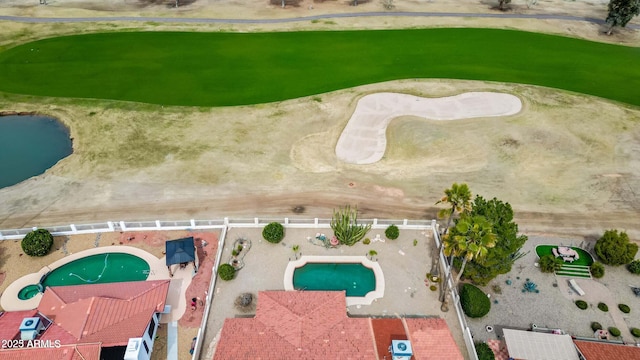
(219, 69)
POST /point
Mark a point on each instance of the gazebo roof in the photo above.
(180, 251)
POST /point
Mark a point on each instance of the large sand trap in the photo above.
(363, 140)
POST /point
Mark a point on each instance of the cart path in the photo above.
(307, 18)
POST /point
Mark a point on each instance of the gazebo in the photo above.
(182, 252)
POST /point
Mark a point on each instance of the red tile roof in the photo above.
(593, 350)
(297, 325)
(10, 322)
(431, 339)
(64, 352)
(384, 331)
(106, 313)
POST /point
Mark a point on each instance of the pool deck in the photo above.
(157, 271)
(377, 293)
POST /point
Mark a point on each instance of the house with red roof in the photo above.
(598, 350)
(97, 321)
(315, 325)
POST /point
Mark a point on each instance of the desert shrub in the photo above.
(433, 288)
(582, 304)
(595, 326)
(345, 226)
(634, 267)
(273, 232)
(624, 308)
(614, 331)
(602, 306)
(475, 302)
(484, 351)
(37, 242)
(235, 253)
(392, 232)
(635, 332)
(366, 241)
(597, 270)
(614, 248)
(550, 263)
(226, 272)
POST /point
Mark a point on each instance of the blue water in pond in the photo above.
(29, 145)
(356, 279)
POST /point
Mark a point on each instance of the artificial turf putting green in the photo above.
(217, 69)
(585, 259)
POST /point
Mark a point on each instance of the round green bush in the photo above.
(635, 332)
(597, 270)
(549, 263)
(602, 306)
(366, 241)
(614, 331)
(634, 267)
(582, 304)
(37, 242)
(475, 302)
(273, 232)
(484, 351)
(624, 308)
(595, 326)
(226, 272)
(392, 232)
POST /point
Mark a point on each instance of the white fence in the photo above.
(224, 224)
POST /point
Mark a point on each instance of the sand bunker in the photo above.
(363, 140)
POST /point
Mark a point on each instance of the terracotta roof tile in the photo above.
(593, 350)
(431, 339)
(297, 325)
(385, 330)
(64, 352)
(10, 322)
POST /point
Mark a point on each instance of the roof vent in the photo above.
(30, 328)
(401, 349)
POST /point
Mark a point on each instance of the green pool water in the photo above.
(94, 269)
(355, 278)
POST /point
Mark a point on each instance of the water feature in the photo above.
(29, 145)
(355, 278)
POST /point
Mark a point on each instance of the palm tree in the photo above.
(459, 197)
(471, 239)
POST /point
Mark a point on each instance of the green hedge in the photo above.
(484, 351)
(226, 272)
(624, 308)
(392, 232)
(635, 332)
(37, 242)
(475, 302)
(602, 306)
(595, 326)
(273, 232)
(597, 270)
(634, 267)
(581, 304)
(614, 331)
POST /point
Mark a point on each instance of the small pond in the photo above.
(29, 145)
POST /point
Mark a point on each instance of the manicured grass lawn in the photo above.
(216, 69)
(584, 259)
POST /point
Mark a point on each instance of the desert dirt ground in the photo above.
(567, 163)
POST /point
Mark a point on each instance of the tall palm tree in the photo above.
(459, 198)
(471, 239)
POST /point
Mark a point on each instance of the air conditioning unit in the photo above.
(30, 328)
(136, 350)
(401, 349)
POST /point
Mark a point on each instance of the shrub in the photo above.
(624, 308)
(273, 232)
(392, 232)
(226, 272)
(484, 351)
(582, 304)
(433, 288)
(366, 241)
(595, 326)
(235, 253)
(475, 302)
(37, 242)
(550, 263)
(635, 332)
(634, 267)
(614, 331)
(345, 226)
(602, 306)
(614, 248)
(597, 270)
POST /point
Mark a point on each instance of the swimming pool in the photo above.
(359, 277)
(355, 278)
(93, 269)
